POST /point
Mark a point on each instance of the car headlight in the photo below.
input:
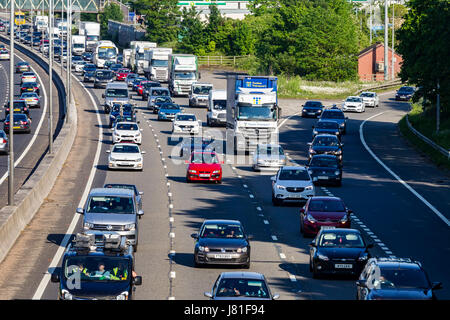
(337, 172)
(243, 250)
(88, 225)
(315, 132)
(312, 151)
(65, 295)
(342, 124)
(112, 159)
(310, 218)
(344, 219)
(281, 187)
(363, 258)
(203, 249)
(122, 296)
(309, 188)
(322, 257)
(130, 226)
(192, 171)
(216, 171)
(139, 160)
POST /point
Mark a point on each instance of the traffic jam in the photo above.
(146, 78)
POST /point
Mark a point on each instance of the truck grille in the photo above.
(161, 74)
(256, 133)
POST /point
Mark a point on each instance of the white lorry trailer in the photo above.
(91, 30)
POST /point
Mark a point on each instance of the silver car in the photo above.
(241, 286)
(268, 157)
(112, 211)
(31, 99)
(3, 142)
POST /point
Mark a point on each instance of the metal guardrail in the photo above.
(442, 150)
(387, 84)
(220, 60)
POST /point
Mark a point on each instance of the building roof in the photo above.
(374, 46)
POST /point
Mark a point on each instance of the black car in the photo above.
(103, 267)
(128, 110)
(326, 144)
(221, 242)
(23, 66)
(312, 109)
(325, 169)
(30, 87)
(20, 106)
(326, 127)
(114, 113)
(21, 123)
(87, 56)
(395, 278)
(57, 52)
(89, 72)
(120, 58)
(147, 86)
(159, 101)
(133, 187)
(404, 93)
(102, 78)
(338, 251)
(337, 115)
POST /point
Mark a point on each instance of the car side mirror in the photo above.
(108, 151)
(436, 285)
(199, 75)
(350, 211)
(143, 152)
(55, 277)
(141, 193)
(302, 210)
(342, 144)
(140, 213)
(80, 210)
(186, 161)
(207, 294)
(194, 236)
(361, 283)
(276, 296)
(137, 281)
(346, 118)
(141, 130)
(312, 244)
(274, 178)
(313, 127)
(309, 143)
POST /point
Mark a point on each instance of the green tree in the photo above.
(111, 12)
(162, 19)
(424, 45)
(192, 33)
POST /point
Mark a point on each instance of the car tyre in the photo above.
(247, 265)
(276, 202)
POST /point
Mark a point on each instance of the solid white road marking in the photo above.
(266, 222)
(274, 238)
(292, 278)
(282, 256)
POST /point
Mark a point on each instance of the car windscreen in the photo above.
(126, 126)
(29, 95)
(341, 239)
(104, 74)
(325, 142)
(353, 99)
(201, 89)
(170, 107)
(160, 92)
(406, 90)
(17, 117)
(184, 75)
(110, 204)
(333, 115)
(116, 93)
(219, 104)
(327, 125)
(216, 230)
(324, 162)
(391, 278)
(313, 104)
(127, 109)
(252, 288)
(294, 174)
(208, 158)
(270, 150)
(162, 99)
(326, 205)
(125, 149)
(367, 95)
(185, 117)
(97, 268)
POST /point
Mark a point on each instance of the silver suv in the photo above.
(112, 211)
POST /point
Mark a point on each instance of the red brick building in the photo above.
(371, 63)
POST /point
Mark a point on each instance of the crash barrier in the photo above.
(385, 85)
(30, 196)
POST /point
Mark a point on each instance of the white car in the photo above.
(268, 157)
(292, 183)
(127, 132)
(31, 99)
(370, 99)
(353, 103)
(125, 156)
(78, 66)
(28, 77)
(185, 123)
(44, 48)
(4, 54)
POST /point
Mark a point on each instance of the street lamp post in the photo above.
(50, 73)
(386, 48)
(11, 111)
(393, 35)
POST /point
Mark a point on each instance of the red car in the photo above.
(323, 212)
(204, 166)
(122, 74)
(140, 87)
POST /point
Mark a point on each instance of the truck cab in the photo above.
(97, 267)
(199, 94)
(217, 108)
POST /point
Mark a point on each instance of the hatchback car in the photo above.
(268, 157)
(122, 74)
(370, 99)
(336, 115)
(204, 166)
(327, 127)
(197, 144)
(125, 156)
(221, 242)
(325, 169)
(338, 251)
(23, 66)
(31, 99)
(312, 109)
(404, 93)
(292, 183)
(144, 89)
(395, 278)
(4, 54)
(20, 106)
(168, 111)
(4, 146)
(154, 93)
(160, 101)
(127, 132)
(28, 77)
(321, 212)
(21, 123)
(241, 286)
(130, 78)
(326, 144)
(354, 103)
(185, 123)
(30, 87)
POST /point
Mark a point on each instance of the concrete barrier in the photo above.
(29, 198)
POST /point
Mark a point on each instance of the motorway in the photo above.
(29, 149)
(388, 214)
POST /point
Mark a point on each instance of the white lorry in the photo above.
(182, 73)
(91, 30)
(126, 58)
(158, 68)
(137, 59)
(105, 51)
(78, 45)
(199, 95)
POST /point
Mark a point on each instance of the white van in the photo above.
(217, 108)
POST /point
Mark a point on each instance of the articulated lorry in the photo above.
(91, 30)
(158, 64)
(137, 58)
(252, 112)
(182, 73)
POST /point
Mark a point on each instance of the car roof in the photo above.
(325, 135)
(125, 144)
(325, 198)
(242, 275)
(340, 230)
(111, 192)
(222, 221)
(293, 167)
(324, 156)
(116, 85)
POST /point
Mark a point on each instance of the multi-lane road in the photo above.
(400, 203)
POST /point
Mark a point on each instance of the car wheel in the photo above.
(188, 180)
(276, 202)
(196, 264)
(310, 266)
(135, 247)
(247, 265)
(219, 181)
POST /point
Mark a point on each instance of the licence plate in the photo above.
(222, 256)
(343, 266)
(17, 127)
(204, 175)
(323, 177)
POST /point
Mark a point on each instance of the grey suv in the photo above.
(112, 211)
